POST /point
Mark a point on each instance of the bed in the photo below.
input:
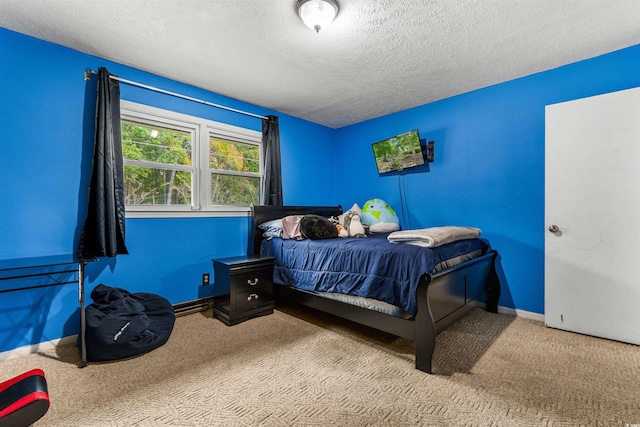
(436, 300)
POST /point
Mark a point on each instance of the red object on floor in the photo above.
(23, 399)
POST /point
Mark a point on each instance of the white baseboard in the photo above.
(35, 348)
(521, 313)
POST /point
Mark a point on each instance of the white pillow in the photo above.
(271, 228)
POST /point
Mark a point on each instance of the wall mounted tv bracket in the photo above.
(429, 152)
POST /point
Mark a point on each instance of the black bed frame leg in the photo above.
(425, 338)
(424, 354)
(493, 292)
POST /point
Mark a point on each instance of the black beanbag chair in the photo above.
(122, 324)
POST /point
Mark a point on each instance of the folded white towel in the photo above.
(434, 236)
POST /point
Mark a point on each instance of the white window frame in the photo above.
(202, 130)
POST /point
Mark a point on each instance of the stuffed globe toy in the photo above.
(379, 216)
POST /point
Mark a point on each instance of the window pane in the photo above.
(155, 144)
(151, 186)
(234, 190)
(233, 156)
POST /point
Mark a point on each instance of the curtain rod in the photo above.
(88, 72)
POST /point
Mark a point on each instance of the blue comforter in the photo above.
(369, 267)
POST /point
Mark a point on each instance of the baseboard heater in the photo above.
(194, 306)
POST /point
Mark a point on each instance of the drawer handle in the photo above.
(250, 283)
(252, 296)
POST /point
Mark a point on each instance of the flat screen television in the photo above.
(398, 153)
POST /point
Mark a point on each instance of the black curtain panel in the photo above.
(272, 194)
(104, 228)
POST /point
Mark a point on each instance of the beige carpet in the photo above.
(309, 369)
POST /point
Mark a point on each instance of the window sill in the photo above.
(230, 211)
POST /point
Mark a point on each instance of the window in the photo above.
(235, 172)
(174, 163)
(158, 164)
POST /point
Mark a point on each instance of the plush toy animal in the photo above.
(354, 225)
(342, 232)
(316, 227)
(379, 217)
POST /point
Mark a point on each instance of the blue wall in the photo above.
(489, 163)
(489, 173)
(47, 117)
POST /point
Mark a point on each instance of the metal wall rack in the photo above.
(55, 269)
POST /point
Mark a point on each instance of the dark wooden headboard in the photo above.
(261, 214)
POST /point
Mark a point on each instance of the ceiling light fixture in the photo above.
(317, 14)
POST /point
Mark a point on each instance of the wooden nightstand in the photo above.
(250, 281)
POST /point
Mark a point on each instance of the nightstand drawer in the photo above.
(253, 298)
(247, 282)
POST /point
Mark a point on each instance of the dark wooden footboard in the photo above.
(449, 295)
(442, 298)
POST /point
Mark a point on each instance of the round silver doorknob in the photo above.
(554, 229)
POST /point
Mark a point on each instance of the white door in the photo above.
(592, 197)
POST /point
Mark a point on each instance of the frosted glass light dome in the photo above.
(317, 14)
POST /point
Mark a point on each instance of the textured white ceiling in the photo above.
(378, 57)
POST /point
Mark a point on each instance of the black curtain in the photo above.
(272, 194)
(104, 228)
